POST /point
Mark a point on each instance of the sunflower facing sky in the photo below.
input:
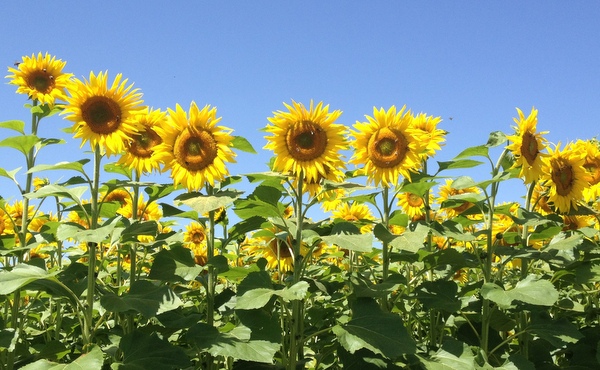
(527, 146)
(139, 149)
(195, 149)
(565, 177)
(41, 78)
(387, 146)
(103, 115)
(307, 141)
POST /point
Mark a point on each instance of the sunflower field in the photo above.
(354, 249)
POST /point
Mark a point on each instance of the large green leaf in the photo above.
(22, 143)
(441, 295)
(259, 297)
(16, 125)
(74, 231)
(143, 351)
(453, 355)
(474, 151)
(242, 144)
(410, 241)
(206, 203)
(92, 360)
(73, 193)
(73, 166)
(459, 163)
(530, 290)
(143, 297)
(20, 276)
(353, 242)
(378, 331)
(558, 332)
(174, 264)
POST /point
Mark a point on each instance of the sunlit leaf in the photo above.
(353, 242)
(496, 138)
(206, 203)
(143, 297)
(21, 275)
(174, 264)
(453, 355)
(457, 164)
(259, 297)
(73, 166)
(242, 144)
(15, 125)
(93, 360)
(531, 290)
(557, 331)
(474, 151)
(23, 143)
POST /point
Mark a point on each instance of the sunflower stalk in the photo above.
(385, 245)
(211, 278)
(133, 246)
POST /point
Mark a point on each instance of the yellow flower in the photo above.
(565, 177)
(194, 238)
(307, 142)
(15, 211)
(6, 225)
(387, 146)
(195, 149)
(527, 146)
(277, 252)
(539, 199)
(431, 136)
(447, 191)
(592, 168)
(141, 146)
(103, 115)
(117, 195)
(412, 204)
(314, 187)
(41, 78)
(332, 199)
(39, 183)
(355, 212)
(145, 211)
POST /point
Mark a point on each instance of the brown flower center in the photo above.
(592, 167)
(197, 237)
(562, 176)
(102, 114)
(284, 251)
(414, 200)
(306, 141)
(529, 147)
(387, 148)
(195, 150)
(142, 144)
(41, 81)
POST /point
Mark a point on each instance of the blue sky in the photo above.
(474, 62)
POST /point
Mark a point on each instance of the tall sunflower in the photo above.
(527, 146)
(592, 167)
(103, 115)
(565, 177)
(431, 136)
(306, 141)
(195, 149)
(387, 146)
(139, 149)
(41, 78)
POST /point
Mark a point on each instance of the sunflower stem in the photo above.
(211, 278)
(385, 245)
(133, 246)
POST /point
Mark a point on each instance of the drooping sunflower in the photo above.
(103, 115)
(307, 142)
(194, 238)
(195, 149)
(41, 78)
(139, 149)
(387, 146)
(592, 167)
(565, 177)
(527, 146)
(431, 136)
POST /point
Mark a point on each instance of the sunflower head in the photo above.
(565, 177)
(306, 142)
(139, 149)
(194, 148)
(103, 115)
(591, 165)
(432, 138)
(387, 146)
(41, 78)
(194, 238)
(355, 212)
(412, 204)
(446, 191)
(527, 146)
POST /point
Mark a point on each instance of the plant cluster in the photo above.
(409, 267)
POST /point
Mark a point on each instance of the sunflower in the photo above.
(355, 212)
(527, 146)
(539, 199)
(145, 211)
(15, 211)
(41, 78)
(103, 115)
(195, 149)
(277, 252)
(446, 191)
(194, 238)
(307, 142)
(412, 204)
(565, 176)
(314, 187)
(431, 136)
(139, 149)
(388, 146)
(117, 195)
(591, 166)
(6, 225)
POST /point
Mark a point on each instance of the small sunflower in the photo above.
(355, 212)
(194, 238)
(139, 149)
(15, 211)
(527, 146)
(41, 78)
(145, 211)
(6, 225)
(565, 176)
(307, 142)
(103, 115)
(277, 252)
(387, 146)
(195, 149)
(431, 136)
(592, 167)
(412, 204)
(39, 183)
(117, 195)
(446, 191)
(540, 200)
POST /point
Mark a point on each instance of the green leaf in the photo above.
(418, 188)
(530, 290)
(143, 297)
(380, 332)
(496, 138)
(93, 360)
(20, 276)
(52, 190)
(147, 351)
(75, 231)
(474, 151)
(441, 295)
(137, 228)
(60, 166)
(170, 211)
(410, 240)
(119, 170)
(206, 203)
(456, 164)
(558, 332)
(453, 355)
(353, 242)
(174, 264)
(15, 125)
(22, 143)
(259, 297)
(240, 143)
(10, 174)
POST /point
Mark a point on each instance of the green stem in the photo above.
(385, 245)
(211, 278)
(296, 334)
(523, 315)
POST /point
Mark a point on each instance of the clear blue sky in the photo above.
(472, 61)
